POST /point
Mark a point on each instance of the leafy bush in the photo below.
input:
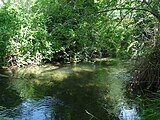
(29, 42)
(8, 22)
(66, 31)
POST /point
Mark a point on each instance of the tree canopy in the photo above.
(35, 31)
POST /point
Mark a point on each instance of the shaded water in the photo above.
(74, 92)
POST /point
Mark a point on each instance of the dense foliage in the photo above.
(65, 31)
(37, 31)
(146, 74)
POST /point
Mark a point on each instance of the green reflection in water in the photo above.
(8, 98)
(89, 91)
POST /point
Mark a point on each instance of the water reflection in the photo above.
(8, 97)
(88, 91)
(43, 109)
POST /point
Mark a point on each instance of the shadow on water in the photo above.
(88, 91)
(81, 92)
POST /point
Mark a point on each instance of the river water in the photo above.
(74, 92)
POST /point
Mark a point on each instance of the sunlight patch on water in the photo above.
(128, 113)
(35, 110)
(79, 69)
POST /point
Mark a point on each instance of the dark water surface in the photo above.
(75, 92)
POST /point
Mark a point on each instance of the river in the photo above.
(86, 91)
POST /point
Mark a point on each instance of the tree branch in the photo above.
(130, 8)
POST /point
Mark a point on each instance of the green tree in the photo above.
(8, 22)
(72, 31)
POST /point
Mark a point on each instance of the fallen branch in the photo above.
(2, 75)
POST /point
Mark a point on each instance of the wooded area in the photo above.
(34, 32)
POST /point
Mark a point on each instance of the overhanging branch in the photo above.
(130, 8)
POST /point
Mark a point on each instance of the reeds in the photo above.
(146, 75)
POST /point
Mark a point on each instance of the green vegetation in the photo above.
(66, 31)
(36, 32)
(149, 106)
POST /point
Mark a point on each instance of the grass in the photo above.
(150, 107)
